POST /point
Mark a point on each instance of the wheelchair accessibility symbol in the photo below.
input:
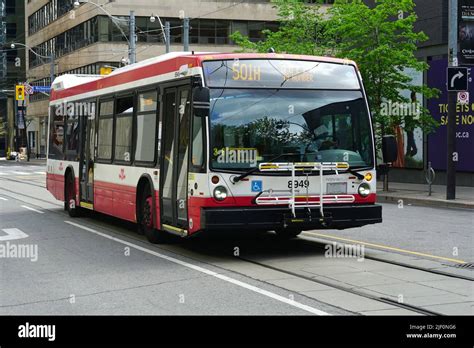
(257, 186)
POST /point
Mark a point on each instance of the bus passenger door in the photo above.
(174, 169)
(86, 170)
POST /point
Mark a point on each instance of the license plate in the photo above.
(336, 188)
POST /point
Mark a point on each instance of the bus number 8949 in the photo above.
(298, 184)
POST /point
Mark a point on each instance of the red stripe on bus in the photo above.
(126, 77)
(120, 200)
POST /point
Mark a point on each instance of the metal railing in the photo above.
(303, 201)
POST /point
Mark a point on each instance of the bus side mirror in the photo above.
(201, 101)
(389, 149)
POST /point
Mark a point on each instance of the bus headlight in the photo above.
(364, 189)
(220, 193)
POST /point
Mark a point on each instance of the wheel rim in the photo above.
(147, 215)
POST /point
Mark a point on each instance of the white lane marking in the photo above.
(20, 173)
(3, 173)
(3, 199)
(206, 271)
(12, 233)
(32, 209)
(42, 173)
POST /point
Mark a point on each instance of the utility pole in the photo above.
(451, 156)
(132, 52)
(167, 36)
(186, 34)
(51, 70)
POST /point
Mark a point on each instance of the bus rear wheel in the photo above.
(146, 222)
(286, 233)
(70, 196)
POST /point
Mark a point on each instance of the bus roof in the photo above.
(68, 85)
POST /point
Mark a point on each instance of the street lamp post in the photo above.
(131, 42)
(452, 100)
(51, 75)
(132, 51)
(165, 30)
(50, 58)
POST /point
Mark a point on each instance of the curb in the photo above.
(381, 198)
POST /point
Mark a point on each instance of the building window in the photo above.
(32, 139)
(11, 31)
(10, 7)
(48, 13)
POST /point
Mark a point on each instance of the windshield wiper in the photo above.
(355, 173)
(253, 170)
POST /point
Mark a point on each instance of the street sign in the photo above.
(463, 98)
(28, 89)
(41, 89)
(457, 79)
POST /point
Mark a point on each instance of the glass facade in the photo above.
(48, 13)
(105, 29)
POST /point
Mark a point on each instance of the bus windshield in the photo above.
(250, 126)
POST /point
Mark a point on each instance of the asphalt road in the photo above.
(78, 271)
(98, 265)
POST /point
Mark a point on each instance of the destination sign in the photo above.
(278, 73)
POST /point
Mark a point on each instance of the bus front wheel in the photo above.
(70, 196)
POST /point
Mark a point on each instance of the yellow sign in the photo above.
(19, 92)
(246, 72)
(105, 70)
(296, 74)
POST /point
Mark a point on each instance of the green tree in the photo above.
(301, 31)
(380, 39)
(383, 42)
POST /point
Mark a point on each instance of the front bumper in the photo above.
(270, 218)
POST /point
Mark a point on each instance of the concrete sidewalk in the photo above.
(417, 194)
(33, 161)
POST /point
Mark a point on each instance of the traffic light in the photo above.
(20, 92)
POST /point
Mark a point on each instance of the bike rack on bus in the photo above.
(307, 168)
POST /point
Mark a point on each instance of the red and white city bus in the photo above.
(189, 142)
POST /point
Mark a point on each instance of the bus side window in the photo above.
(197, 158)
(146, 126)
(124, 109)
(56, 137)
(105, 131)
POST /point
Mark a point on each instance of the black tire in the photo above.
(70, 196)
(287, 233)
(146, 218)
